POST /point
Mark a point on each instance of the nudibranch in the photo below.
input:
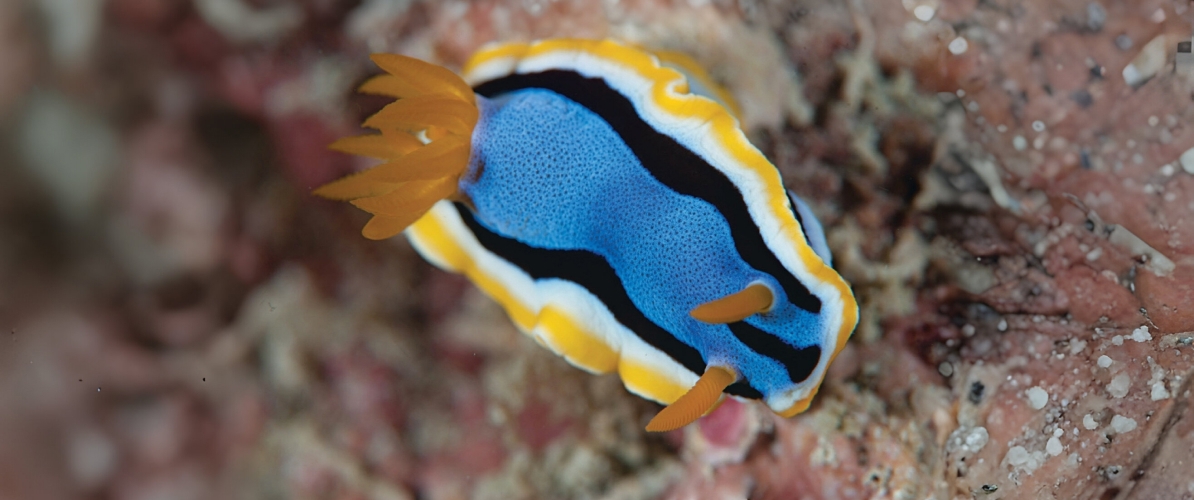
(608, 199)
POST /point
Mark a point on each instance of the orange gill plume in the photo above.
(415, 173)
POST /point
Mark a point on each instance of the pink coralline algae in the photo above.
(1008, 187)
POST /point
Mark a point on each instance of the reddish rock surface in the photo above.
(1000, 181)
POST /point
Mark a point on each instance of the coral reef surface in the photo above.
(1008, 185)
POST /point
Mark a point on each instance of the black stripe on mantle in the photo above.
(799, 362)
(594, 273)
(669, 162)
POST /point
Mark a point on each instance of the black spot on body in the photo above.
(975, 395)
(1082, 97)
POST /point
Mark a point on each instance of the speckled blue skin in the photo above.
(556, 176)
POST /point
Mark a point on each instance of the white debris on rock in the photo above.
(976, 439)
(1141, 334)
(1037, 397)
(1157, 382)
(1073, 460)
(73, 29)
(1053, 447)
(1117, 340)
(1119, 386)
(1020, 458)
(75, 177)
(1016, 456)
(1077, 345)
(964, 441)
(91, 457)
(1089, 423)
(1187, 161)
(1104, 361)
(243, 22)
(370, 22)
(958, 46)
(1159, 391)
(924, 12)
(1121, 424)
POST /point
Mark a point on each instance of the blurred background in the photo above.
(1008, 185)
